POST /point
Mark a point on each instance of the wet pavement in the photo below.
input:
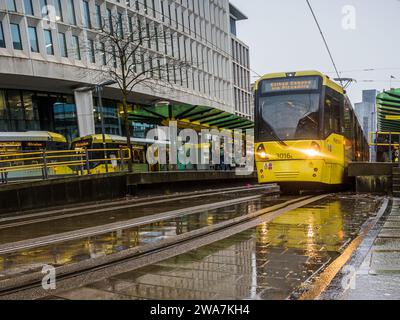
(270, 261)
(26, 261)
(378, 276)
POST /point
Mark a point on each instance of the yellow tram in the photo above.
(306, 131)
(113, 148)
(21, 153)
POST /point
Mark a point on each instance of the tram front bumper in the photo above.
(291, 171)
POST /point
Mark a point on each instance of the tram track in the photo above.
(59, 214)
(71, 276)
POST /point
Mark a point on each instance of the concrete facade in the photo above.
(42, 55)
(242, 95)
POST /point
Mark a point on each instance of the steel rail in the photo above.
(80, 274)
(126, 204)
(116, 226)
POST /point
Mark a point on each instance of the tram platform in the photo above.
(33, 195)
(373, 271)
(372, 177)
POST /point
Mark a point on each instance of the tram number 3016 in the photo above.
(284, 156)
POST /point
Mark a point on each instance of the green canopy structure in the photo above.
(195, 117)
(388, 105)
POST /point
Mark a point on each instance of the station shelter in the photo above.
(190, 117)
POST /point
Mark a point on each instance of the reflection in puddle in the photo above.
(78, 250)
(270, 261)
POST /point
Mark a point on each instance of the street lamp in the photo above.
(99, 90)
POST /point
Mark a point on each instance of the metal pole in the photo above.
(103, 130)
(45, 173)
(372, 129)
(82, 169)
(87, 162)
(390, 147)
(398, 154)
(121, 159)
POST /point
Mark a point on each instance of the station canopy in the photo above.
(388, 104)
(195, 117)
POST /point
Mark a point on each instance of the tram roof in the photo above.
(388, 106)
(31, 136)
(195, 117)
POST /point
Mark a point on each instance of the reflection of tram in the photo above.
(306, 228)
(114, 146)
(306, 130)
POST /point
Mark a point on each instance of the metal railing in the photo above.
(44, 164)
(387, 144)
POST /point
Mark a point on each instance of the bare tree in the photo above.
(136, 51)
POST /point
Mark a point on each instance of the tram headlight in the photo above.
(311, 152)
(262, 153)
(314, 151)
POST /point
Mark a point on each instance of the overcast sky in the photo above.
(283, 36)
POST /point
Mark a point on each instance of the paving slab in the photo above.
(392, 225)
(379, 287)
(387, 244)
(390, 233)
(385, 262)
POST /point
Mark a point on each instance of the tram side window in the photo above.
(348, 121)
(331, 114)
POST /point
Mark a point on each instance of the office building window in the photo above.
(86, 15)
(48, 41)
(2, 42)
(103, 53)
(43, 8)
(11, 5)
(99, 23)
(71, 12)
(33, 40)
(28, 7)
(110, 21)
(16, 36)
(77, 48)
(92, 54)
(63, 45)
(59, 12)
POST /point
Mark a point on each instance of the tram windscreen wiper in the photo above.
(275, 135)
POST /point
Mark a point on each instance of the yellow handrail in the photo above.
(48, 159)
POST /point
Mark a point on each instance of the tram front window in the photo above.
(289, 117)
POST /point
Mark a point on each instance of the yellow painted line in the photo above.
(324, 280)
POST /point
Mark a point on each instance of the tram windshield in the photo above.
(289, 117)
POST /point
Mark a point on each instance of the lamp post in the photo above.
(99, 91)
